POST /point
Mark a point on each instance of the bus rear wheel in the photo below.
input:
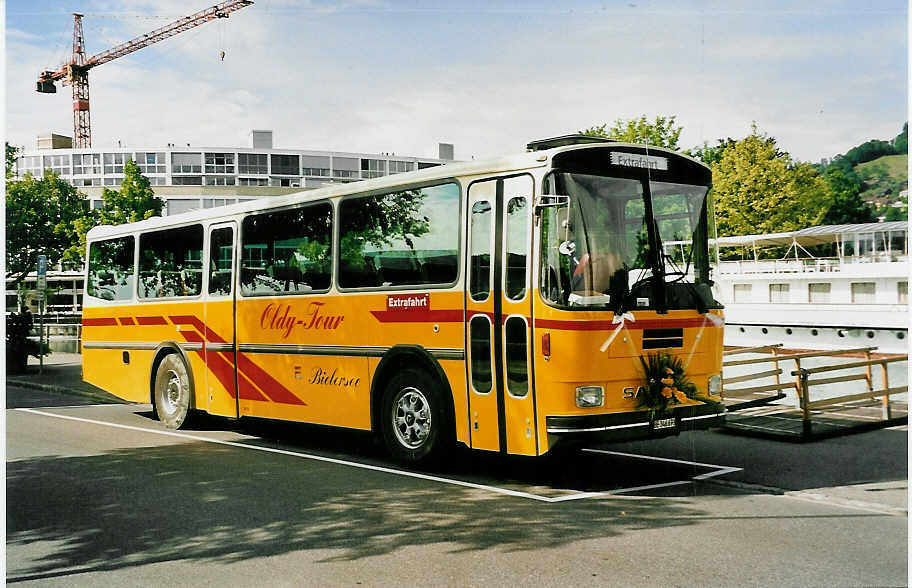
(172, 392)
(414, 422)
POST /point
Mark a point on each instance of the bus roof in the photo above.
(509, 163)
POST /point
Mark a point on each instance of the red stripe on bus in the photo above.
(262, 380)
(470, 314)
(99, 322)
(221, 368)
(151, 320)
(249, 391)
(269, 385)
(610, 326)
(126, 320)
(503, 318)
(193, 337)
(186, 319)
(224, 371)
(199, 325)
(418, 316)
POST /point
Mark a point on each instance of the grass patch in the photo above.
(897, 166)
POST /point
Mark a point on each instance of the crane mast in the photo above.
(76, 71)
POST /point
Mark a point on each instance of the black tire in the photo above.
(415, 425)
(173, 392)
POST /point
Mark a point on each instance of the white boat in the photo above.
(854, 295)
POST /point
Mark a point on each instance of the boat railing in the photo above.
(802, 265)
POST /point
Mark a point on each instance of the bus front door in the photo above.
(498, 316)
(219, 323)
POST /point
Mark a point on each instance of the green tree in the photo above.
(41, 218)
(759, 189)
(711, 155)
(135, 201)
(897, 213)
(12, 154)
(662, 132)
(847, 207)
(901, 142)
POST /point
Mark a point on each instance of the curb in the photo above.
(822, 498)
(810, 496)
(66, 390)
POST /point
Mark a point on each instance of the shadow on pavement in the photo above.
(202, 502)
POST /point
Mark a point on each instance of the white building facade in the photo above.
(188, 177)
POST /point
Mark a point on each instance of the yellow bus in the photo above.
(512, 305)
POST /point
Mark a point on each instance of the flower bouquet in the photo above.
(667, 383)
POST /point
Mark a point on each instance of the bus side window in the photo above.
(220, 257)
(111, 270)
(516, 249)
(403, 238)
(171, 262)
(480, 264)
(287, 251)
(517, 225)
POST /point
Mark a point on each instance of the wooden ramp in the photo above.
(788, 423)
(754, 410)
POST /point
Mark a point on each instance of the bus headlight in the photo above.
(589, 396)
(715, 385)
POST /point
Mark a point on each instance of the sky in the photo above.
(402, 76)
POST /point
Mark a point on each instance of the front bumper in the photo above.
(626, 426)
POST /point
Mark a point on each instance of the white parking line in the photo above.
(70, 406)
(498, 490)
(364, 466)
(720, 470)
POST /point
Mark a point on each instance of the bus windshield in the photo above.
(597, 247)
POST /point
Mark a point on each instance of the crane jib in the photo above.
(75, 72)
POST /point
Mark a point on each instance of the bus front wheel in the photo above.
(414, 423)
(172, 391)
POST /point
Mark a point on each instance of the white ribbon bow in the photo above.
(715, 320)
(619, 320)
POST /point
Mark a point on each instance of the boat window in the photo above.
(742, 292)
(863, 292)
(819, 293)
(778, 292)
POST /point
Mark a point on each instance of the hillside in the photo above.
(897, 166)
(883, 180)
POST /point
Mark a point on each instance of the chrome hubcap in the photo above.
(411, 418)
(172, 393)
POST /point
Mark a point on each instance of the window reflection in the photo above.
(408, 237)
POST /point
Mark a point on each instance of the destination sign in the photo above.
(637, 160)
(408, 302)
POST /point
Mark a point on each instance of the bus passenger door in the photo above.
(219, 322)
(498, 316)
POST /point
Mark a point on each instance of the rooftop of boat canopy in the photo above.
(806, 237)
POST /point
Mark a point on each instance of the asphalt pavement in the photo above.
(100, 493)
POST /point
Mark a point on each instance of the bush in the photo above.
(18, 345)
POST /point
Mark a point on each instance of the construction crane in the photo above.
(76, 71)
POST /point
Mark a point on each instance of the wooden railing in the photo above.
(804, 383)
(803, 380)
(775, 373)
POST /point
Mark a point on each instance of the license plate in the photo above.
(663, 423)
